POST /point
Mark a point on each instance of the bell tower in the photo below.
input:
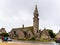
(35, 21)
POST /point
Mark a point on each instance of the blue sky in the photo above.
(15, 13)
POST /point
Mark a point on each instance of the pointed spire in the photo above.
(36, 7)
(36, 10)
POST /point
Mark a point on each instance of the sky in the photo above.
(15, 13)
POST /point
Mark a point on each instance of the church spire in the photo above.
(36, 10)
(35, 21)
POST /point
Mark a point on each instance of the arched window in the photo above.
(14, 32)
(25, 33)
(29, 34)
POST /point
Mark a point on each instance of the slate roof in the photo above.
(23, 29)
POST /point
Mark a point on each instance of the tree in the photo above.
(4, 34)
(51, 33)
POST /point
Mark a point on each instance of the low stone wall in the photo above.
(34, 43)
(28, 43)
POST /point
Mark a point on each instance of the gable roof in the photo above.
(23, 29)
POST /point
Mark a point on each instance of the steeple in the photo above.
(35, 21)
(36, 10)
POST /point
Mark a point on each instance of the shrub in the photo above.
(33, 38)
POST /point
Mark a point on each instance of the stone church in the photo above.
(30, 31)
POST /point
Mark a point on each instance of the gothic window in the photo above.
(29, 34)
(14, 33)
(25, 33)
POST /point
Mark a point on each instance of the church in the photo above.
(30, 31)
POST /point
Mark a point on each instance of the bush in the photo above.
(33, 38)
(22, 39)
(51, 33)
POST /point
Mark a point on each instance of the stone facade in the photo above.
(22, 33)
(45, 34)
(58, 35)
(30, 31)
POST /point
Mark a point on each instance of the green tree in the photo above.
(51, 33)
(4, 34)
